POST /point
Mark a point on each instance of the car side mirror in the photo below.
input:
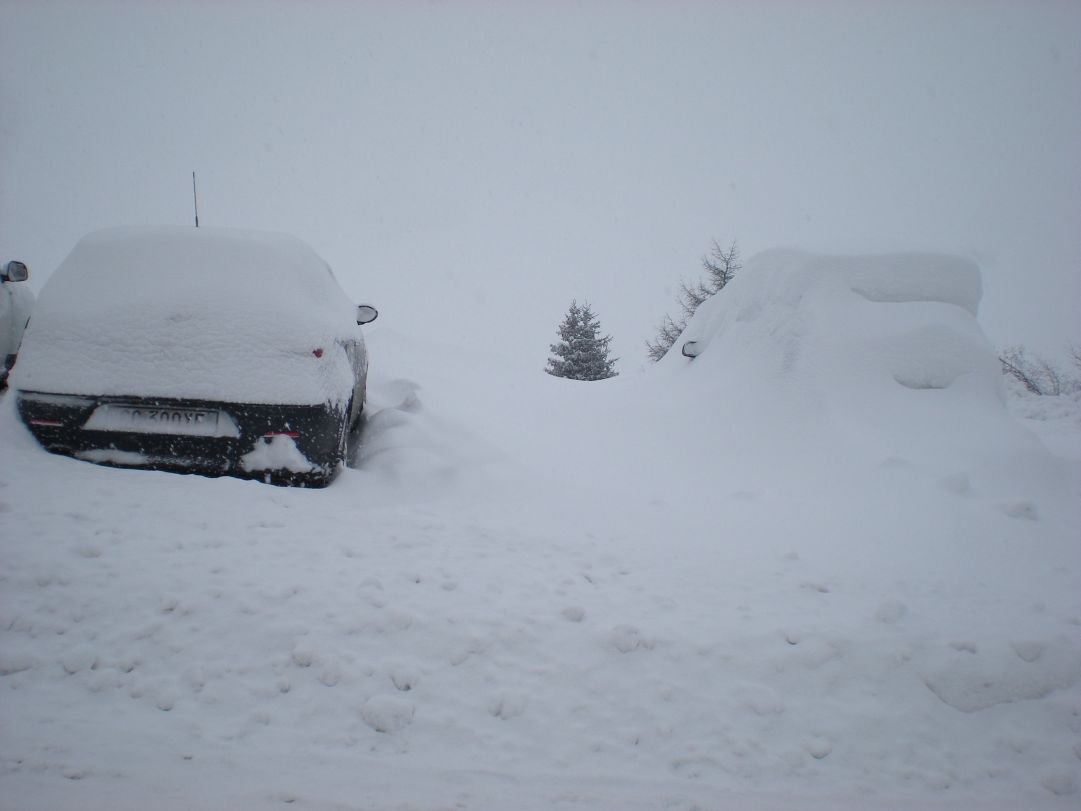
(691, 349)
(16, 272)
(366, 314)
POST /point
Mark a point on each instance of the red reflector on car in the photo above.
(318, 352)
(47, 423)
(291, 434)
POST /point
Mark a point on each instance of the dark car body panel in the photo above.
(59, 422)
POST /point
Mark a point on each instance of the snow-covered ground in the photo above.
(823, 565)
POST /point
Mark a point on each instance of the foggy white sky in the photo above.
(471, 167)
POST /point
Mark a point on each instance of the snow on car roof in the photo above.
(183, 312)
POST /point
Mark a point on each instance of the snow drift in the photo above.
(776, 576)
(881, 355)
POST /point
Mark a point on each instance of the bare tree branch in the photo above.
(1016, 365)
(720, 266)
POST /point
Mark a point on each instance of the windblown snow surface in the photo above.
(819, 566)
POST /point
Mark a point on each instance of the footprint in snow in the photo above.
(331, 675)
(1028, 650)
(759, 699)
(14, 663)
(956, 483)
(1020, 509)
(1061, 784)
(386, 713)
(696, 768)
(574, 613)
(891, 612)
(79, 659)
(404, 677)
(818, 748)
(507, 705)
(463, 651)
(627, 638)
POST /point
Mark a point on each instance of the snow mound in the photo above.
(912, 277)
(276, 453)
(909, 317)
(879, 354)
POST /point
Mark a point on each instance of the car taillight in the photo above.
(318, 352)
(46, 423)
(290, 434)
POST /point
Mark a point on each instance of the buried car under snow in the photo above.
(196, 349)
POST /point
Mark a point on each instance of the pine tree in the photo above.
(581, 354)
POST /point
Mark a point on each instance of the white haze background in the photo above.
(471, 167)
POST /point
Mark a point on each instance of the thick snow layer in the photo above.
(191, 312)
(772, 577)
(882, 354)
(276, 453)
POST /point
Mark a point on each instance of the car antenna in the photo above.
(195, 197)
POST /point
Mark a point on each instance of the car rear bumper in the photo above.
(283, 444)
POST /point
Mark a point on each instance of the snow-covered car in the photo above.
(16, 301)
(206, 350)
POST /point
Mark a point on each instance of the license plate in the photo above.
(160, 420)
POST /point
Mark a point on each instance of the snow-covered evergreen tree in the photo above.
(581, 354)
